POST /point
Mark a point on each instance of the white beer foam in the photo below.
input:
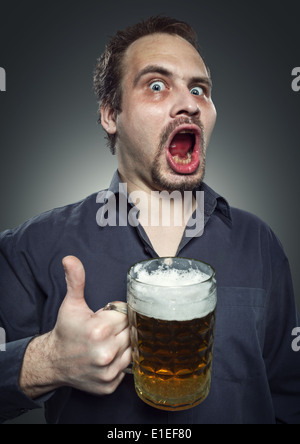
(170, 277)
(172, 294)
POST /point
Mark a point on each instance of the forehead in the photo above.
(171, 51)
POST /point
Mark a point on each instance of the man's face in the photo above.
(167, 114)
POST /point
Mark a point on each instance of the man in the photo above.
(63, 347)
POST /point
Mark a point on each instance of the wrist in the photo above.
(38, 375)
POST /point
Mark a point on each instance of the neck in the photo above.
(160, 208)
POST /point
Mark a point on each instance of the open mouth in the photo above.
(183, 150)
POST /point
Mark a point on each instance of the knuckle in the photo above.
(107, 378)
(105, 357)
(100, 333)
(111, 373)
(111, 387)
(108, 389)
(105, 331)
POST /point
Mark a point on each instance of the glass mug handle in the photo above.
(114, 307)
(123, 310)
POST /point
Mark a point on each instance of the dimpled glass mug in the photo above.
(171, 309)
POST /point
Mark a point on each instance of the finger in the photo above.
(111, 387)
(75, 278)
(109, 351)
(126, 361)
(121, 362)
(112, 321)
(122, 340)
(123, 357)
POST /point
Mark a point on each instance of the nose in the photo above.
(185, 103)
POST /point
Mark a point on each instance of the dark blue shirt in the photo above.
(256, 373)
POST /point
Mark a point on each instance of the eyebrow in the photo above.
(152, 69)
(157, 69)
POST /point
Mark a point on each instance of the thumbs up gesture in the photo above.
(85, 350)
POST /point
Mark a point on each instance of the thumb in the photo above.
(75, 278)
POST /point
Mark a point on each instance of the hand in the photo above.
(86, 350)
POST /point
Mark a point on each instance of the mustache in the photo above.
(168, 130)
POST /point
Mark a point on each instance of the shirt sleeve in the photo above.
(20, 305)
(282, 361)
(13, 402)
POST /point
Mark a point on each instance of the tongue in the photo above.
(181, 145)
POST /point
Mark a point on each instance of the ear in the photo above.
(108, 119)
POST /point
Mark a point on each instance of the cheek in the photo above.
(140, 126)
(210, 122)
(133, 141)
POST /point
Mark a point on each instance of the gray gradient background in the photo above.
(53, 153)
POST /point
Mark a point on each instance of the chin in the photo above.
(171, 181)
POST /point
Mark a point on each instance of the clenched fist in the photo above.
(85, 350)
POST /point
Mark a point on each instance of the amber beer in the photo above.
(171, 308)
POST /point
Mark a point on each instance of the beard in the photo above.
(163, 176)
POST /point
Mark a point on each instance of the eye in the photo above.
(197, 91)
(158, 86)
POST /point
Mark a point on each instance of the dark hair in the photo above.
(108, 71)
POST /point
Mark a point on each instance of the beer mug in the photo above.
(171, 309)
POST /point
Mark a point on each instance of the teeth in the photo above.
(180, 161)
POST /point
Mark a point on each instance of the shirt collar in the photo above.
(214, 202)
(114, 185)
